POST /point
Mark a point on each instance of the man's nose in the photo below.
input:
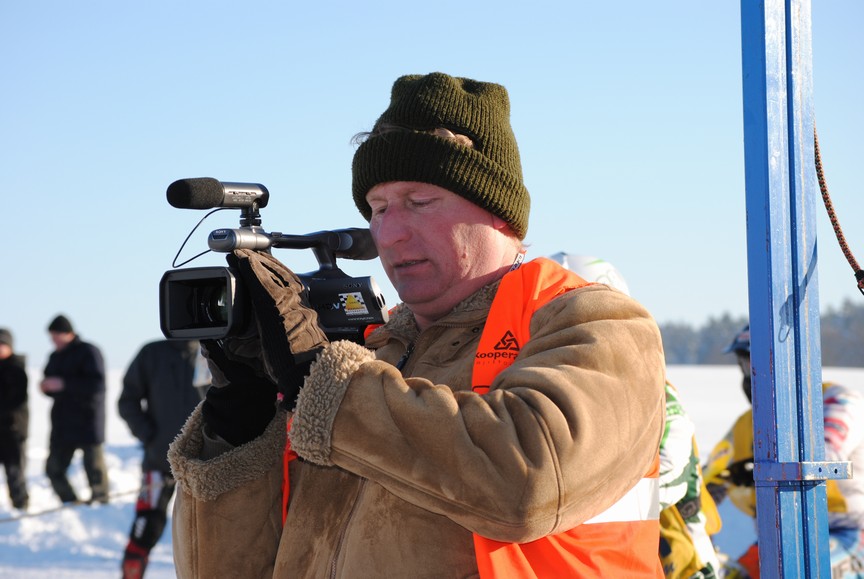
(391, 228)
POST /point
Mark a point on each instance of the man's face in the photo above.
(746, 380)
(61, 339)
(5, 350)
(743, 362)
(436, 247)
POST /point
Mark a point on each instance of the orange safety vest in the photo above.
(620, 542)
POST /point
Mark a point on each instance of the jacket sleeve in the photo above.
(843, 410)
(16, 394)
(15, 411)
(564, 432)
(135, 391)
(676, 452)
(227, 512)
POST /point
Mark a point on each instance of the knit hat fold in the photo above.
(489, 173)
(60, 324)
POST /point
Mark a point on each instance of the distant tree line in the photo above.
(842, 338)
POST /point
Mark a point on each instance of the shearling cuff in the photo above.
(207, 479)
(319, 400)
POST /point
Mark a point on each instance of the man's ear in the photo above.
(498, 223)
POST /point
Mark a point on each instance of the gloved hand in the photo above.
(717, 491)
(240, 403)
(274, 354)
(741, 473)
(290, 337)
(742, 488)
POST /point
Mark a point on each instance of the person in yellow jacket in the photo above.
(729, 472)
(504, 422)
(688, 515)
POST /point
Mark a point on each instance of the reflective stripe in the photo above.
(641, 503)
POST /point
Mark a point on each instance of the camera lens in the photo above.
(200, 303)
(213, 304)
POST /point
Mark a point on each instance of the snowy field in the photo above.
(81, 542)
(87, 542)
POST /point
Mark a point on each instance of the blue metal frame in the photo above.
(781, 190)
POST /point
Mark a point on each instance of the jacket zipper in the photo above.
(404, 359)
(344, 530)
(400, 365)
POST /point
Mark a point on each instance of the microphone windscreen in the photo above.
(200, 193)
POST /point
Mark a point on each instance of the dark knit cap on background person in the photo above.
(489, 174)
(6, 338)
(60, 324)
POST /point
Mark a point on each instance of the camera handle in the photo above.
(352, 243)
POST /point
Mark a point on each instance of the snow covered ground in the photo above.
(87, 542)
(81, 542)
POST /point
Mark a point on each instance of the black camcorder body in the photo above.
(212, 303)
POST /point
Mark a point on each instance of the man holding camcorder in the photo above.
(505, 420)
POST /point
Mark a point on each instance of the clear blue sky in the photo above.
(628, 116)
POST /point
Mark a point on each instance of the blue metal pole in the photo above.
(781, 190)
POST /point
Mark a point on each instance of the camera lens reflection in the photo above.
(213, 304)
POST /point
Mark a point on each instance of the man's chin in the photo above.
(418, 295)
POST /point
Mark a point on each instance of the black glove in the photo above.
(718, 492)
(741, 473)
(288, 329)
(240, 403)
(273, 355)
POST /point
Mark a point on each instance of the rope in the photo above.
(832, 215)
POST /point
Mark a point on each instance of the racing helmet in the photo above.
(741, 343)
(592, 269)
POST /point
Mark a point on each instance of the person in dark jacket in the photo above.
(161, 387)
(75, 379)
(14, 420)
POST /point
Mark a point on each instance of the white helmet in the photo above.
(593, 269)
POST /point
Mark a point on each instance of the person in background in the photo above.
(729, 472)
(161, 387)
(688, 515)
(75, 378)
(14, 420)
(504, 422)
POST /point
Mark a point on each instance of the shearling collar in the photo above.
(403, 326)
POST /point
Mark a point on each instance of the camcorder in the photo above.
(212, 303)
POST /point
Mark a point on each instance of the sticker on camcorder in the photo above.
(353, 304)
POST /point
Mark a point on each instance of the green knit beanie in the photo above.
(489, 174)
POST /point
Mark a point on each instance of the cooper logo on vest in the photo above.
(507, 348)
(508, 342)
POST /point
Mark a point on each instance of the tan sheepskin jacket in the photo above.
(397, 470)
